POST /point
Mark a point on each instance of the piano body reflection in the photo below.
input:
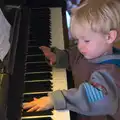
(29, 73)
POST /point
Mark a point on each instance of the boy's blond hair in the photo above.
(100, 15)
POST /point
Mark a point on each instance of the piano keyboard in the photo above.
(39, 77)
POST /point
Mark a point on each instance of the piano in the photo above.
(35, 24)
(39, 77)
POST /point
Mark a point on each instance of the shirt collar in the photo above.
(114, 55)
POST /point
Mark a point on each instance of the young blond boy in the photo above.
(94, 63)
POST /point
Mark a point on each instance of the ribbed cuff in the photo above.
(58, 100)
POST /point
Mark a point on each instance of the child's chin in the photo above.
(88, 57)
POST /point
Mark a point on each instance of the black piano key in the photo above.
(37, 67)
(43, 10)
(35, 58)
(44, 44)
(40, 16)
(44, 28)
(44, 38)
(47, 41)
(38, 76)
(42, 118)
(32, 43)
(29, 97)
(32, 37)
(40, 19)
(34, 50)
(37, 64)
(44, 68)
(40, 113)
(40, 22)
(38, 86)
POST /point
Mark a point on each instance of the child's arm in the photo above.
(98, 97)
(59, 58)
(62, 58)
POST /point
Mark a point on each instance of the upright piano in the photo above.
(34, 24)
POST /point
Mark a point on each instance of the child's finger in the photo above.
(35, 99)
(39, 109)
(46, 53)
(27, 105)
(52, 61)
(33, 109)
(45, 49)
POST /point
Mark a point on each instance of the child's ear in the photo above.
(111, 36)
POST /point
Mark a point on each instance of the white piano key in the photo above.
(61, 115)
(59, 75)
(57, 28)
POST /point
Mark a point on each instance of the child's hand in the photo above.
(50, 55)
(40, 104)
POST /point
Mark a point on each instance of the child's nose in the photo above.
(81, 46)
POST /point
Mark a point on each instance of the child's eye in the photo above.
(87, 41)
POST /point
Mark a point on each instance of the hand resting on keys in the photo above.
(48, 54)
(43, 103)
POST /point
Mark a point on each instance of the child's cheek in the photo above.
(86, 50)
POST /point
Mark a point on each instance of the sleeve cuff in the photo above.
(58, 100)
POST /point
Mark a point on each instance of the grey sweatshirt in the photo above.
(96, 89)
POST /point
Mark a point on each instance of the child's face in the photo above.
(91, 44)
